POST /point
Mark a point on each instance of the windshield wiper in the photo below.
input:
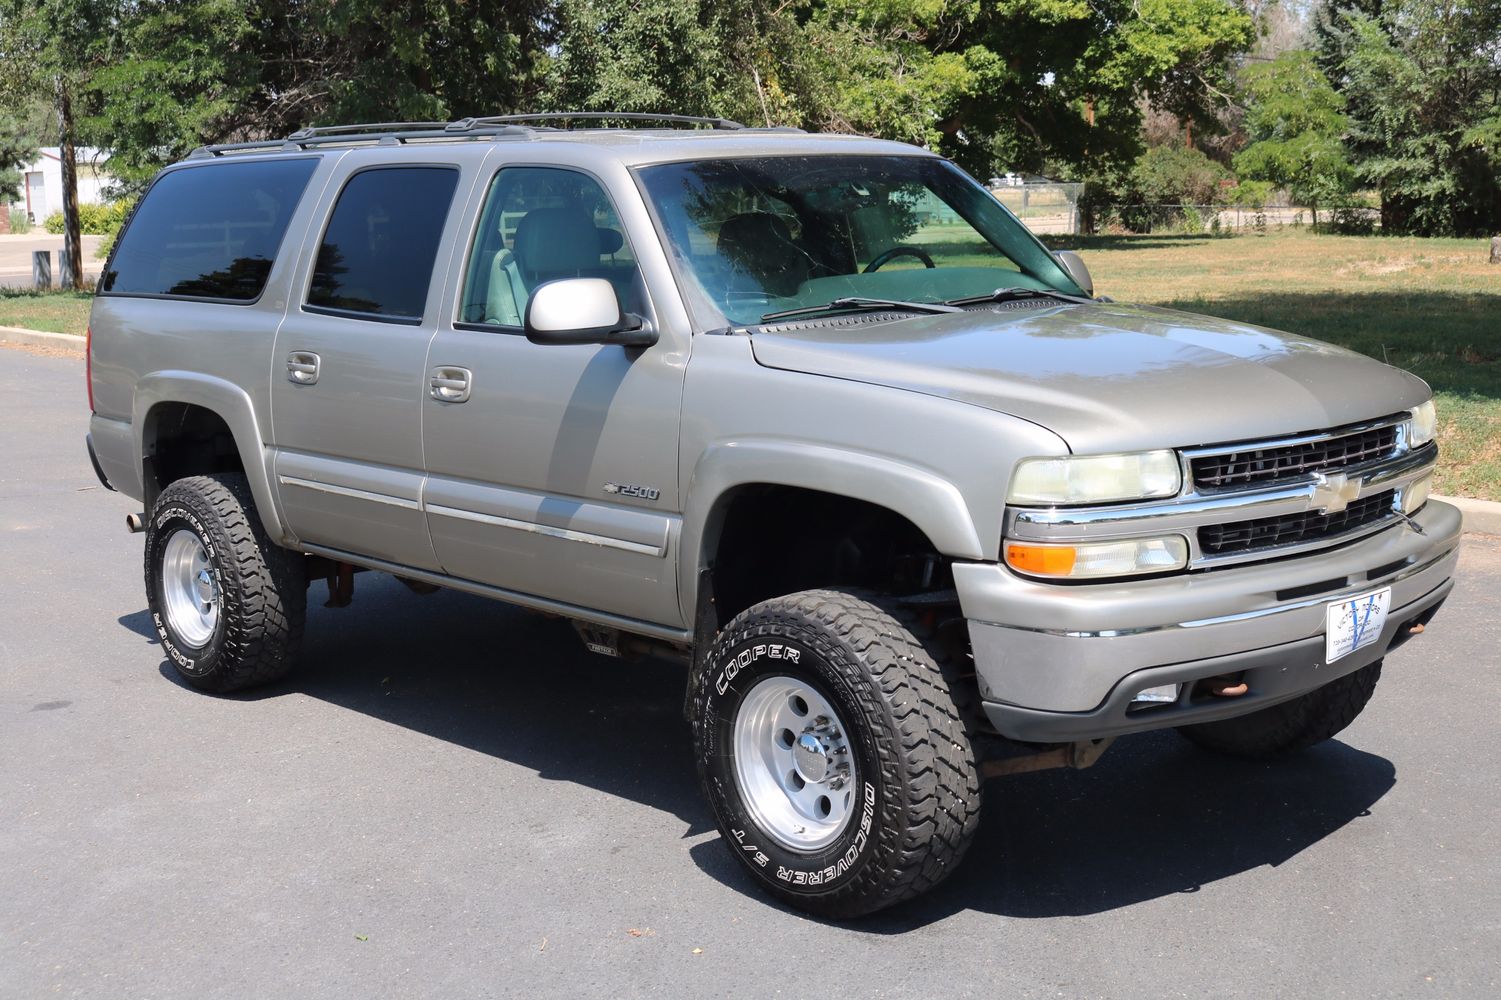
(1007, 294)
(859, 303)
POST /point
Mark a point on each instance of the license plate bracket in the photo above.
(1355, 622)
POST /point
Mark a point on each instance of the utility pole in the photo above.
(71, 263)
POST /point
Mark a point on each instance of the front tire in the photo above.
(1291, 726)
(830, 748)
(227, 603)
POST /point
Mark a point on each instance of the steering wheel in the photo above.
(903, 250)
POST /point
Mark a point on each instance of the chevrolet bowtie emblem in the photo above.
(1333, 491)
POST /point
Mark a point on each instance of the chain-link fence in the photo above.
(1194, 219)
(1045, 207)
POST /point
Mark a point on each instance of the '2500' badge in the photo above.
(631, 490)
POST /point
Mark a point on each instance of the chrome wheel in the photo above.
(189, 590)
(793, 763)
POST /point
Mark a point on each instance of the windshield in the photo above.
(766, 234)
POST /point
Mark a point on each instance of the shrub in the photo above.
(1177, 175)
(94, 220)
(1252, 194)
(20, 222)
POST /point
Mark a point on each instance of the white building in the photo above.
(42, 192)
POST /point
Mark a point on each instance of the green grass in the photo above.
(1432, 306)
(54, 312)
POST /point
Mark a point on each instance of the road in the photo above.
(16, 250)
(452, 799)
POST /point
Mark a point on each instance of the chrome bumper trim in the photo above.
(1184, 515)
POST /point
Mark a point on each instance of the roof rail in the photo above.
(495, 127)
(632, 116)
(385, 133)
(308, 133)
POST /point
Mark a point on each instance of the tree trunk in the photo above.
(72, 259)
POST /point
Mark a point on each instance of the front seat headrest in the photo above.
(554, 243)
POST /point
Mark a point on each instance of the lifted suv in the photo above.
(813, 413)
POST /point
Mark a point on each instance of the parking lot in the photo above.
(451, 798)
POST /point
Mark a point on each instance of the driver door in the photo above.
(553, 472)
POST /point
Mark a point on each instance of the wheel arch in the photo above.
(171, 405)
(907, 495)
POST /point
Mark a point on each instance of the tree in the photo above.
(1020, 82)
(176, 75)
(1296, 123)
(16, 150)
(52, 47)
(1027, 83)
(738, 59)
(184, 73)
(1178, 175)
(1424, 84)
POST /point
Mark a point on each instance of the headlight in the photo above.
(1128, 557)
(1073, 479)
(1423, 426)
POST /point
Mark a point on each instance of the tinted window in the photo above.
(209, 232)
(378, 251)
(541, 224)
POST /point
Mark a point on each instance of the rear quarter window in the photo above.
(209, 232)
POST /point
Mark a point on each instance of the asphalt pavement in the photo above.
(451, 799)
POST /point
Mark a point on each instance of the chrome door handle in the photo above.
(450, 385)
(302, 367)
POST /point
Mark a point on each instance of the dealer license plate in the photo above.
(1355, 622)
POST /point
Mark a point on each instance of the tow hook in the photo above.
(1225, 686)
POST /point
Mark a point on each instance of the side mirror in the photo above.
(1074, 265)
(582, 311)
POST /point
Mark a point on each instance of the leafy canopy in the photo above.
(1296, 122)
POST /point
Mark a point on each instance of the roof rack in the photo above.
(492, 127)
(383, 133)
(724, 124)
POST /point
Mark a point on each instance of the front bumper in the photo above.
(1062, 662)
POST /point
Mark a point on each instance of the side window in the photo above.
(540, 224)
(376, 257)
(209, 232)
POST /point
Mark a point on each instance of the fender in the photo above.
(933, 504)
(231, 403)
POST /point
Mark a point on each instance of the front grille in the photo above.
(1289, 529)
(1251, 465)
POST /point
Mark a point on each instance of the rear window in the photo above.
(209, 232)
(376, 257)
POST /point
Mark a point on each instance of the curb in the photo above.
(1481, 516)
(39, 338)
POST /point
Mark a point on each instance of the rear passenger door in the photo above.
(347, 373)
(555, 474)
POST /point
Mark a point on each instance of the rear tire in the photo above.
(884, 802)
(1293, 725)
(227, 603)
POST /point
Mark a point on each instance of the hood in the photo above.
(1106, 376)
